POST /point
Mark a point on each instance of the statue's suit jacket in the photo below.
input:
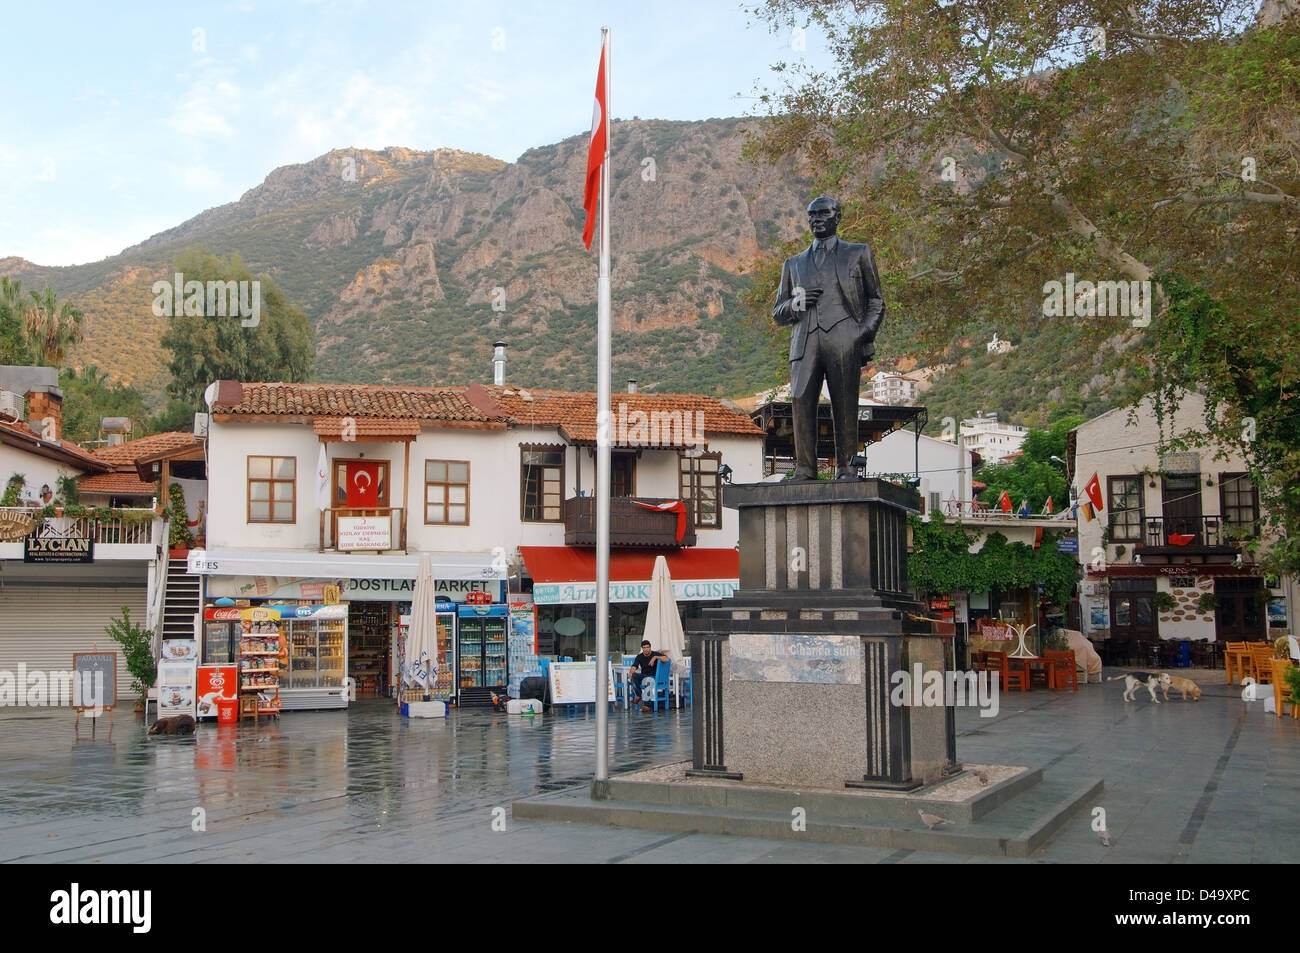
(855, 269)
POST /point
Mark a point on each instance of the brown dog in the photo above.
(1184, 685)
(175, 725)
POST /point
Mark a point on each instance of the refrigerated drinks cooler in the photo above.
(481, 654)
(317, 641)
(444, 684)
(221, 630)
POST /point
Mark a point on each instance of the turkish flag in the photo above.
(595, 153)
(1093, 489)
(1004, 502)
(363, 485)
(1181, 539)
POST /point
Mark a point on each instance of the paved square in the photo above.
(1213, 781)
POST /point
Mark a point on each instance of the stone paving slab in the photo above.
(1213, 781)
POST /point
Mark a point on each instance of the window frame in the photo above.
(524, 448)
(271, 483)
(688, 478)
(1248, 528)
(1115, 489)
(446, 487)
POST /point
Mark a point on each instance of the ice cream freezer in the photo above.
(314, 674)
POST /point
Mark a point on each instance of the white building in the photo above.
(944, 471)
(998, 345)
(1171, 523)
(992, 439)
(495, 483)
(888, 387)
(64, 574)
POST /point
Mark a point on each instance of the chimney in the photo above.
(45, 413)
(631, 385)
(499, 363)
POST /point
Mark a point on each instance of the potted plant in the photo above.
(69, 493)
(1292, 676)
(179, 536)
(13, 489)
(1163, 602)
(1207, 603)
(137, 648)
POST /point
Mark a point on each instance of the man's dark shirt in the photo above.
(646, 664)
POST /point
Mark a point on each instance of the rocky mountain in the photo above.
(410, 264)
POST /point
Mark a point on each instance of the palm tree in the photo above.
(52, 326)
(13, 343)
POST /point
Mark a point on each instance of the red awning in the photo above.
(567, 574)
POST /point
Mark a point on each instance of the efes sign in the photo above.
(58, 549)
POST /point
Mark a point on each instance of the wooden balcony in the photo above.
(369, 530)
(139, 529)
(1198, 537)
(630, 525)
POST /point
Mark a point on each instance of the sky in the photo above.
(121, 120)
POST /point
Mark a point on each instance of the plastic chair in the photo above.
(663, 682)
(1062, 670)
(685, 681)
(1010, 678)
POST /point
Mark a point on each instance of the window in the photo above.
(541, 483)
(622, 474)
(1239, 502)
(271, 493)
(1125, 494)
(446, 492)
(701, 488)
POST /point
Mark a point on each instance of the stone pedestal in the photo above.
(794, 675)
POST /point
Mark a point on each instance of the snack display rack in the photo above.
(261, 654)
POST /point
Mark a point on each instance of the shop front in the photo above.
(564, 593)
(363, 647)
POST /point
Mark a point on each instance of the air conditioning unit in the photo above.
(12, 406)
(201, 425)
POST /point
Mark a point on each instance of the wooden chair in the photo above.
(1261, 663)
(1062, 670)
(1233, 661)
(1282, 694)
(1010, 678)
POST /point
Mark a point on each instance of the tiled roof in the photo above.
(20, 435)
(574, 413)
(116, 484)
(348, 400)
(365, 428)
(125, 454)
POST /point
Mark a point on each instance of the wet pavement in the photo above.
(1207, 782)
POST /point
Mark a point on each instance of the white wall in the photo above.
(938, 467)
(493, 457)
(37, 470)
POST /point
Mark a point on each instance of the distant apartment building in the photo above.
(992, 439)
(893, 388)
(998, 345)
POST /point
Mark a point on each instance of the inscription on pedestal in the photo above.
(810, 659)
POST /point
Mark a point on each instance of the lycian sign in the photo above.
(58, 549)
(688, 590)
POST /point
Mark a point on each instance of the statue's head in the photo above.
(823, 216)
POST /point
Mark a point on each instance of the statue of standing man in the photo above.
(830, 293)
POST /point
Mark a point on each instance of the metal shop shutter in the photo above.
(43, 625)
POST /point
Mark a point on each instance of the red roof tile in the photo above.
(333, 428)
(434, 404)
(117, 484)
(19, 434)
(574, 413)
(125, 454)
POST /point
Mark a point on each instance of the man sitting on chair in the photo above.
(642, 674)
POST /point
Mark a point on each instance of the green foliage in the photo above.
(13, 489)
(941, 561)
(179, 534)
(206, 349)
(68, 491)
(14, 347)
(1033, 475)
(1207, 602)
(137, 649)
(1163, 602)
(89, 396)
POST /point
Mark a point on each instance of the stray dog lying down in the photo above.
(175, 725)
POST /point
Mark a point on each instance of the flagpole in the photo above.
(603, 421)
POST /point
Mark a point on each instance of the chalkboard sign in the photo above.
(85, 665)
(574, 683)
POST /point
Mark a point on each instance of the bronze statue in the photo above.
(830, 293)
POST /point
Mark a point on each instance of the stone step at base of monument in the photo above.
(858, 805)
(1015, 829)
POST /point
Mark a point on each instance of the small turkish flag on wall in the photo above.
(1093, 490)
(595, 153)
